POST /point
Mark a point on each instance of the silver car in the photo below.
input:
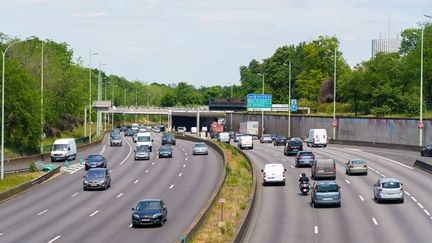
(266, 138)
(356, 166)
(142, 152)
(326, 193)
(115, 140)
(388, 189)
(200, 148)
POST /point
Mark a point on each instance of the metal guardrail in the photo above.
(423, 165)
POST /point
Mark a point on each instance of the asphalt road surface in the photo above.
(283, 215)
(60, 211)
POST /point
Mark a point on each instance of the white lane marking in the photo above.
(103, 149)
(73, 195)
(184, 166)
(354, 149)
(284, 160)
(180, 174)
(119, 195)
(130, 226)
(361, 198)
(347, 181)
(383, 175)
(75, 170)
(94, 213)
(393, 161)
(186, 154)
(54, 239)
(275, 155)
(136, 181)
(186, 158)
(130, 151)
(111, 171)
(421, 206)
(414, 199)
(171, 186)
(426, 212)
(146, 171)
(292, 166)
(1, 234)
(407, 193)
(316, 229)
(375, 221)
(153, 163)
(46, 210)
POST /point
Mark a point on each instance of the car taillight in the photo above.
(264, 174)
(350, 166)
(365, 166)
(334, 167)
(401, 187)
(380, 189)
(283, 174)
(299, 157)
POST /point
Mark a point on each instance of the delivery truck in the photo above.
(249, 127)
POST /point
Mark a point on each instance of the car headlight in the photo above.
(102, 181)
(156, 215)
(85, 182)
(136, 216)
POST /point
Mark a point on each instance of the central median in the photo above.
(225, 216)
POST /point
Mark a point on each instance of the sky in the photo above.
(203, 42)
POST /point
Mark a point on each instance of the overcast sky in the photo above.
(203, 42)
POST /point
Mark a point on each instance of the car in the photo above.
(292, 147)
(244, 142)
(325, 193)
(296, 138)
(115, 132)
(324, 168)
(157, 129)
(97, 178)
(388, 189)
(304, 158)
(95, 161)
(165, 151)
(237, 137)
(149, 212)
(142, 152)
(232, 134)
(116, 140)
(199, 148)
(181, 129)
(274, 136)
(168, 138)
(317, 137)
(280, 141)
(426, 151)
(356, 166)
(273, 173)
(223, 137)
(266, 138)
(144, 138)
(129, 132)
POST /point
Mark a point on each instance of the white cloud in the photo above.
(90, 14)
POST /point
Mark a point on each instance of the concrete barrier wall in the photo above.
(374, 130)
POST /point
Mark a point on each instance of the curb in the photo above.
(377, 145)
(423, 166)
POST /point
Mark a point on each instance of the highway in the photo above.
(283, 215)
(60, 211)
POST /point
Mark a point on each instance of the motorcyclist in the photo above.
(303, 179)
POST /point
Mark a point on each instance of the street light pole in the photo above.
(289, 101)
(99, 120)
(334, 93)
(42, 110)
(112, 105)
(262, 111)
(136, 103)
(3, 103)
(421, 89)
(90, 105)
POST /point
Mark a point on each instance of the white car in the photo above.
(245, 142)
(273, 173)
(181, 129)
(317, 137)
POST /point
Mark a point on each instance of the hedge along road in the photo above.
(62, 211)
(282, 215)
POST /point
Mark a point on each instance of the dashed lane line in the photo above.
(44, 211)
(136, 181)
(347, 181)
(171, 186)
(180, 174)
(375, 221)
(111, 171)
(408, 194)
(316, 229)
(414, 199)
(184, 166)
(130, 226)
(146, 171)
(73, 195)
(361, 198)
(153, 163)
(420, 205)
(426, 212)
(94, 213)
(54, 239)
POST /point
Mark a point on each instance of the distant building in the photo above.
(386, 45)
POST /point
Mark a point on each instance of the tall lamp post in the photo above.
(262, 111)
(420, 125)
(112, 105)
(3, 103)
(90, 105)
(98, 118)
(42, 96)
(334, 95)
(289, 99)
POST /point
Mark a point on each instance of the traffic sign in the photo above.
(334, 123)
(222, 200)
(420, 125)
(280, 107)
(294, 105)
(259, 102)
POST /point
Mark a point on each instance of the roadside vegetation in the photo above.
(235, 190)
(13, 180)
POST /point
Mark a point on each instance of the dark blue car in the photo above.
(149, 212)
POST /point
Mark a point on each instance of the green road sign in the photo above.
(259, 102)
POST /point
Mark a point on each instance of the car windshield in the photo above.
(357, 162)
(327, 188)
(95, 158)
(143, 139)
(59, 147)
(200, 145)
(148, 205)
(391, 184)
(282, 138)
(116, 137)
(266, 136)
(295, 143)
(95, 173)
(142, 149)
(168, 136)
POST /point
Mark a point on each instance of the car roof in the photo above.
(389, 179)
(273, 165)
(325, 182)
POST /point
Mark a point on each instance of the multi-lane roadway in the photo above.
(60, 211)
(283, 215)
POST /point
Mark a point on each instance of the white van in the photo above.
(193, 130)
(245, 142)
(317, 137)
(273, 173)
(144, 138)
(63, 149)
(224, 137)
(135, 126)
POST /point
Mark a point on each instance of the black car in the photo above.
(97, 178)
(168, 138)
(426, 150)
(129, 132)
(280, 141)
(293, 147)
(95, 161)
(273, 136)
(149, 211)
(165, 151)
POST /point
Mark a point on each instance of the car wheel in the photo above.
(338, 205)
(85, 189)
(365, 173)
(402, 200)
(325, 145)
(161, 222)
(106, 187)
(422, 153)
(134, 225)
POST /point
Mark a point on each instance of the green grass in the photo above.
(13, 180)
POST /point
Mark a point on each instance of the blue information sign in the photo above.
(294, 105)
(259, 102)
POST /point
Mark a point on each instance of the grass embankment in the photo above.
(13, 180)
(235, 190)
